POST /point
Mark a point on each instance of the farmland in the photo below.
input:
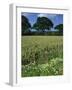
(41, 55)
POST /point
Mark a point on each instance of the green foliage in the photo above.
(43, 23)
(39, 55)
(54, 67)
(25, 24)
(60, 28)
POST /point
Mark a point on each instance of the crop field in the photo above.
(41, 56)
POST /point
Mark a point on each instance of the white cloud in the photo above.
(25, 14)
(42, 15)
(47, 15)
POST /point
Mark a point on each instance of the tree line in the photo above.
(42, 26)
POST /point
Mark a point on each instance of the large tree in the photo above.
(59, 28)
(43, 23)
(25, 24)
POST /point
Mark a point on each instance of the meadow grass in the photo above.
(41, 55)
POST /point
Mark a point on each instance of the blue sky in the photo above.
(32, 17)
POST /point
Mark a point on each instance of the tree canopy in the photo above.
(60, 28)
(41, 26)
(25, 24)
(43, 23)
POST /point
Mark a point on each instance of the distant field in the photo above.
(42, 55)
